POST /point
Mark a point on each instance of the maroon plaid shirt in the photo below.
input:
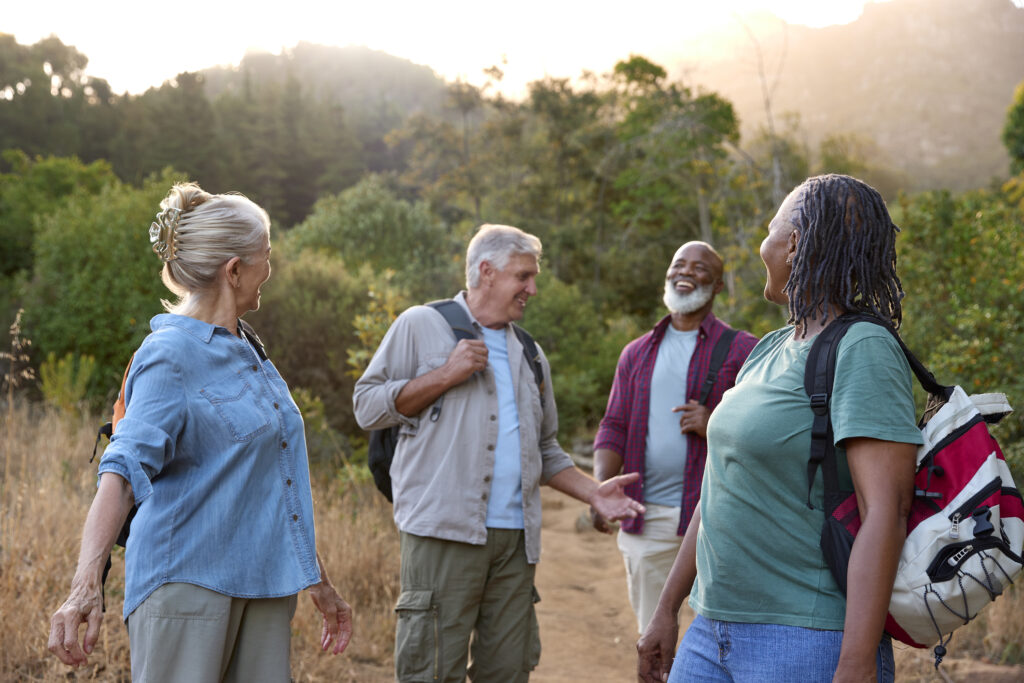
(624, 426)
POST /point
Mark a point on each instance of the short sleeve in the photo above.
(872, 395)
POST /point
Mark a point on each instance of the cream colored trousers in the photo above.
(649, 557)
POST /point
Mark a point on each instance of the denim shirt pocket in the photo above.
(239, 407)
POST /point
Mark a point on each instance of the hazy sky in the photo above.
(135, 44)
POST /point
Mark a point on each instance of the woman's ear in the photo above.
(232, 271)
(794, 240)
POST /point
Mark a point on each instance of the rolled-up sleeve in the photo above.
(553, 457)
(155, 409)
(390, 369)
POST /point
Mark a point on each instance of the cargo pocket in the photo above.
(533, 643)
(417, 637)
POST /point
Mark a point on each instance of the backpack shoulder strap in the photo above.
(819, 374)
(249, 334)
(107, 429)
(532, 357)
(455, 316)
(718, 356)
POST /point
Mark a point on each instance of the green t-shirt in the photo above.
(758, 553)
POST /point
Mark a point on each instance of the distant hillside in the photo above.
(377, 90)
(928, 80)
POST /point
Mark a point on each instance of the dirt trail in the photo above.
(587, 628)
(588, 631)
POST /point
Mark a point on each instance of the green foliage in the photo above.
(324, 444)
(34, 188)
(97, 281)
(386, 303)
(1013, 131)
(368, 224)
(306, 321)
(581, 347)
(963, 271)
(65, 381)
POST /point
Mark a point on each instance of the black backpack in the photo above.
(382, 442)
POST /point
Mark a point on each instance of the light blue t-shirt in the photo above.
(665, 457)
(505, 504)
(215, 451)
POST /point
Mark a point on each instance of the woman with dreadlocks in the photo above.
(768, 608)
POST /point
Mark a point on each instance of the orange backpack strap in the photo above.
(107, 429)
(119, 403)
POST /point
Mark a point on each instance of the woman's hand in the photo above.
(84, 605)
(336, 613)
(656, 648)
(106, 516)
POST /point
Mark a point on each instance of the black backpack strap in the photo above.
(532, 357)
(718, 356)
(462, 327)
(249, 334)
(818, 378)
(456, 317)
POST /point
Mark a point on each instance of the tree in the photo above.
(1013, 131)
(33, 189)
(368, 224)
(962, 266)
(97, 281)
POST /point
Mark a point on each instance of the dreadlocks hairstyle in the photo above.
(846, 255)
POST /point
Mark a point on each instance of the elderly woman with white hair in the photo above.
(212, 451)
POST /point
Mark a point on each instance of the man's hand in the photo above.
(600, 523)
(611, 502)
(694, 418)
(468, 356)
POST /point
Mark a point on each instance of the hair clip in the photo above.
(163, 234)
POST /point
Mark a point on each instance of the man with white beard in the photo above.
(666, 384)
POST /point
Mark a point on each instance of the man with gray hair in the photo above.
(477, 438)
(666, 385)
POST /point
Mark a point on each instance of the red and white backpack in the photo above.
(965, 532)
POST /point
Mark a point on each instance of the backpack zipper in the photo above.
(970, 504)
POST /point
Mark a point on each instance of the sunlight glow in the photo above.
(138, 44)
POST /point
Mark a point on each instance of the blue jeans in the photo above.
(734, 652)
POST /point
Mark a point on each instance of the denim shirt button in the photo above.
(295, 518)
(287, 482)
(276, 406)
(255, 368)
(284, 444)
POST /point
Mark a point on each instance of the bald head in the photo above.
(702, 251)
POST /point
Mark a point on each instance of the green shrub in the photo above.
(97, 282)
(65, 381)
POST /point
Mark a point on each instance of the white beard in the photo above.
(687, 303)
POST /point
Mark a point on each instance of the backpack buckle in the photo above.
(819, 404)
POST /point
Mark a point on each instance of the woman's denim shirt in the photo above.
(214, 449)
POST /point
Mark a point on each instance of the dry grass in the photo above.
(50, 484)
(47, 491)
